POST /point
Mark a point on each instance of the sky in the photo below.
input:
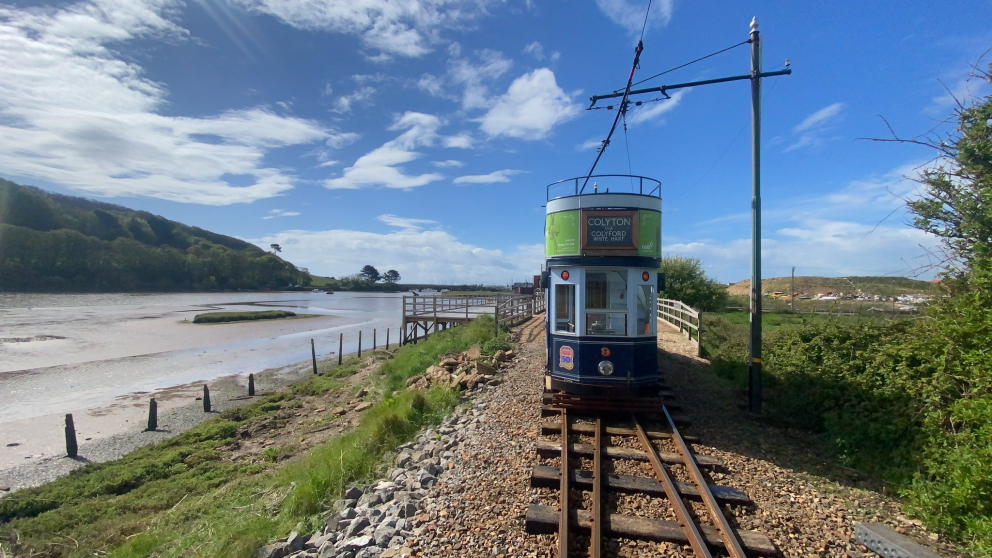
(420, 135)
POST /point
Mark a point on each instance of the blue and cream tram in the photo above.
(603, 250)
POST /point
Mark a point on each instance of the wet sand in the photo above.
(111, 431)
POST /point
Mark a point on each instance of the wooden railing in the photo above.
(687, 320)
(423, 315)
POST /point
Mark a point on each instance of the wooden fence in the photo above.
(423, 315)
(687, 320)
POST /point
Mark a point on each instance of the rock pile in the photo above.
(466, 370)
(379, 520)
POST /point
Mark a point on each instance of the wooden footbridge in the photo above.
(423, 315)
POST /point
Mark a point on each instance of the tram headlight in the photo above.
(606, 368)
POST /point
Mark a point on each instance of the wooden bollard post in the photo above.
(387, 338)
(206, 399)
(313, 355)
(359, 343)
(152, 415)
(251, 384)
(340, 348)
(374, 347)
(71, 447)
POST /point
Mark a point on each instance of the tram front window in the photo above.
(565, 308)
(606, 293)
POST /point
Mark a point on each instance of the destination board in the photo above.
(609, 231)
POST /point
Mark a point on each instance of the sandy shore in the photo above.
(33, 450)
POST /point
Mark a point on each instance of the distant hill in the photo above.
(818, 285)
(55, 243)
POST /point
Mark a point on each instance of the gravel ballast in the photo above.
(476, 505)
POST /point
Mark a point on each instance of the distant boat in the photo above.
(329, 291)
(316, 291)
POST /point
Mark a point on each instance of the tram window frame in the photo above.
(646, 294)
(612, 313)
(565, 292)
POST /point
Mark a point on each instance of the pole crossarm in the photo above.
(665, 88)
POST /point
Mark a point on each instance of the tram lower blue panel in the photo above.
(635, 360)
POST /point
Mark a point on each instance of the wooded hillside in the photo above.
(55, 243)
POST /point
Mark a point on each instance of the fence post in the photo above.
(340, 347)
(699, 336)
(71, 447)
(387, 338)
(152, 415)
(313, 355)
(251, 384)
(206, 399)
(359, 343)
(373, 340)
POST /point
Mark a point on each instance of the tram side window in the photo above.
(645, 321)
(606, 292)
(565, 308)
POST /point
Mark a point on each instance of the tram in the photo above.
(603, 251)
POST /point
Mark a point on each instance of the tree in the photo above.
(686, 281)
(391, 276)
(370, 274)
(275, 248)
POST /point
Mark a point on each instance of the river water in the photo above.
(61, 353)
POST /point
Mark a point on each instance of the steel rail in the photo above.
(689, 527)
(597, 492)
(563, 519)
(730, 539)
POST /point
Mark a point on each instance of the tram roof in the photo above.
(625, 184)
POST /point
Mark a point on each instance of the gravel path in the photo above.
(225, 393)
(807, 509)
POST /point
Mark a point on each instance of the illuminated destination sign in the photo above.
(611, 230)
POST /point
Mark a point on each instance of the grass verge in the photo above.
(185, 497)
(221, 317)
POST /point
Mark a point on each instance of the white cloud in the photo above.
(530, 108)
(431, 84)
(280, 213)
(535, 49)
(460, 141)
(379, 167)
(817, 247)
(491, 65)
(343, 103)
(641, 114)
(630, 15)
(419, 255)
(408, 28)
(860, 229)
(491, 178)
(813, 128)
(450, 163)
(589, 144)
(73, 113)
(405, 223)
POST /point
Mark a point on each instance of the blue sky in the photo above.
(419, 135)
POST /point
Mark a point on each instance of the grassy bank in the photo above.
(905, 401)
(187, 496)
(221, 317)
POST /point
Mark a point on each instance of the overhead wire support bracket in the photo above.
(665, 88)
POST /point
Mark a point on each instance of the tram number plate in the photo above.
(614, 229)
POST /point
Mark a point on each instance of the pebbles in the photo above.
(463, 488)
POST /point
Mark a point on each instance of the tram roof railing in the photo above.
(636, 184)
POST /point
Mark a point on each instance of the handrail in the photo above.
(684, 318)
(640, 187)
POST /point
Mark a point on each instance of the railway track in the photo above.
(597, 438)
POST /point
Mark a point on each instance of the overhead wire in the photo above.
(623, 102)
(692, 62)
(764, 97)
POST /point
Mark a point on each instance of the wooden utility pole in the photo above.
(793, 296)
